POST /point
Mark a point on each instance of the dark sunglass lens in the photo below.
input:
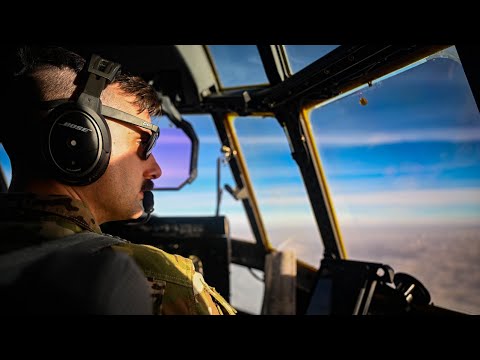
(151, 145)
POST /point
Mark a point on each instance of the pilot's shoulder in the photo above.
(160, 264)
(193, 296)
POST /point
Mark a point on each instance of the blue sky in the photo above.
(417, 139)
(411, 155)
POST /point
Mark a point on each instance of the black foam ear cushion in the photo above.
(76, 144)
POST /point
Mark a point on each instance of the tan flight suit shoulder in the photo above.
(176, 287)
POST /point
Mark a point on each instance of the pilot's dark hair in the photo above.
(43, 73)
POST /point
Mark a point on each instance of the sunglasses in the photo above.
(122, 116)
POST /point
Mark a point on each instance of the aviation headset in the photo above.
(76, 142)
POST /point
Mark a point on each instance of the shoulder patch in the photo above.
(198, 283)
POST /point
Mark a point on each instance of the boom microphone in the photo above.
(147, 209)
(148, 202)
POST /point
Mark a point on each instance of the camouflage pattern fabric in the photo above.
(176, 288)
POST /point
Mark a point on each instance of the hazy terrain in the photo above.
(446, 259)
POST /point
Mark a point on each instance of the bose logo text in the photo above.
(147, 124)
(76, 127)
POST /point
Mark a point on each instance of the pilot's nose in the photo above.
(153, 170)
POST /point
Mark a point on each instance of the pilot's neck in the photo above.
(43, 187)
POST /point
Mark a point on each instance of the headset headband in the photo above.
(100, 70)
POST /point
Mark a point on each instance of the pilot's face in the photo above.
(120, 189)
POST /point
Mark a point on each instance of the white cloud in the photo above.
(343, 139)
(404, 218)
(446, 197)
(287, 196)
(380, 138)
(284, 206)
(343, 169)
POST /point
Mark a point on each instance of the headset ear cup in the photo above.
(76, 144)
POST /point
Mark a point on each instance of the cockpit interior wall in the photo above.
(164, 66)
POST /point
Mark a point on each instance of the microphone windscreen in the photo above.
(148, 202)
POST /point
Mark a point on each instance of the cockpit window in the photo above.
(238, 65)
(300, 56)
(402, 160)
(279, 188)
(5, 165)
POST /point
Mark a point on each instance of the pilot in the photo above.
(47, 199)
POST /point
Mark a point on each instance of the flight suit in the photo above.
(176, 288)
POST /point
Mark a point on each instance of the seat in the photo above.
(67, 282)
